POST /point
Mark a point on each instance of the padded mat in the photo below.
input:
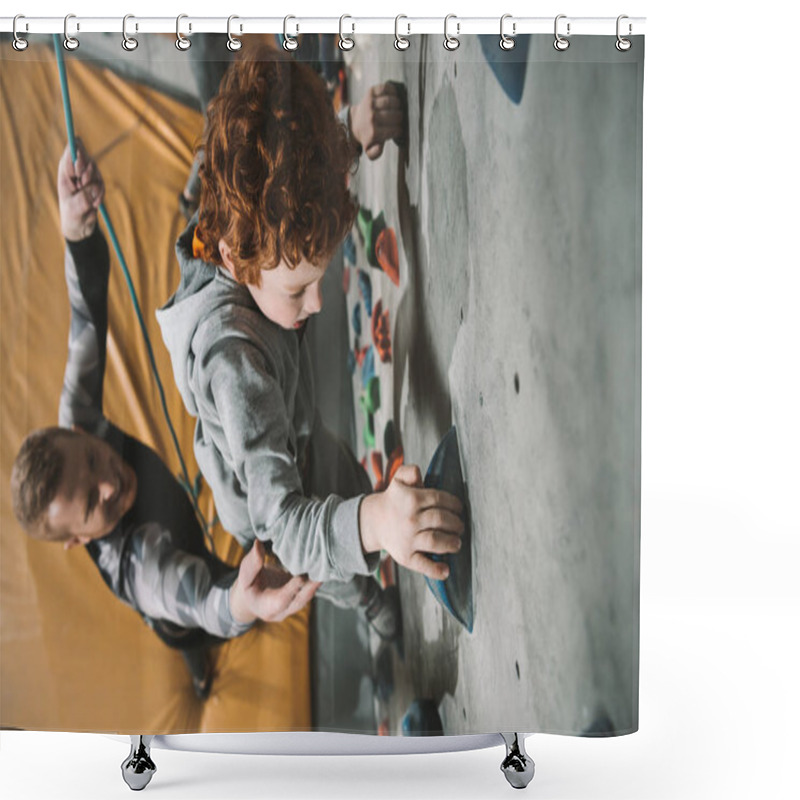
(73, 656)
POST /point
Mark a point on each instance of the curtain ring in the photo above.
(70, 42)
(401, 42)
(561, 43)
(129, 43)
(234, 43)
(181, 42)
(19, 44)
(622, 44)
(289, 42)
(451, 42)
(346, 42)
(507, 42)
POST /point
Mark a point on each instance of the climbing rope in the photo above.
(191, 489)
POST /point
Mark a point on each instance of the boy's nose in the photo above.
(314, 299)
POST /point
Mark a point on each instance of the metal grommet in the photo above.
(234, 43)
(181, 42)
(19, 44)
(623, 44)
(451, 42)
(129, 43)
(401, 42)
(507, 42)
(346, 42)
(70, 42)
(289, 42)
(561, 43)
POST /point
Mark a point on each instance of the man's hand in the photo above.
(80, 192)
(267, 592)
(377, 118)
(411, 522)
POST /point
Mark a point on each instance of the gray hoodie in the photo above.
(249, 384)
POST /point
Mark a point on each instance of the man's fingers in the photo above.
(289, 591)
(302, 597)
(437, 542)
(251, 564)
(435, 570)
(66, 173)
(87, 199)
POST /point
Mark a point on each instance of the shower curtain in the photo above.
(479, 318)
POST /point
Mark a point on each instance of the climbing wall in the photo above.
(515, 316)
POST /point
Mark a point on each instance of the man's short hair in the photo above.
(35, 478)
(277, 161)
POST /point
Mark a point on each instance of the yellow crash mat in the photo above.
(72, 656)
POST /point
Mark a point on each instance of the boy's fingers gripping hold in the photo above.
(435, 570)
(435, 498)
(430, 541)
(439, 519)
(409, 475)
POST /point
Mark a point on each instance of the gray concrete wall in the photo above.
(518, 319)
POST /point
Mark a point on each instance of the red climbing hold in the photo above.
(381, 335)
(346, 279)
(386, 253)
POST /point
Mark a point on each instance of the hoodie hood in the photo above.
(204, 293)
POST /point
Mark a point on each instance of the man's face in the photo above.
(97, 487)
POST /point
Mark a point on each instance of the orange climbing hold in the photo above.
(386, 253)
(394, 463)
(377, 468)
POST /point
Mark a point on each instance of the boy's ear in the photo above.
(227, 256)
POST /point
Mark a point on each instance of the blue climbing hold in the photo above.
(422, 719)
(368, 367)
(351, 362)
(508, 66)
(349, 248)
(365, 287)
(455, 593)
(356, 319)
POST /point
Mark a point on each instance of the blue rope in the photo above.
(190, 489)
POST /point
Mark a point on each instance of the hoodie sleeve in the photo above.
(317, 537)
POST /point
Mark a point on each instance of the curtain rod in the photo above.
(349, 25)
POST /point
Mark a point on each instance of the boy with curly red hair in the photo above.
(274, 207)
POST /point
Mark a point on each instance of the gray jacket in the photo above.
(249, 384)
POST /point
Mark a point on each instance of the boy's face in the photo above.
(97, 488)
(290, 296)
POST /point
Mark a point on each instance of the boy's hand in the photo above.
(377, 118)
(80, 192)
(266, 592)
(410, 522)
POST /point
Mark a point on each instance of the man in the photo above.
(87, 483)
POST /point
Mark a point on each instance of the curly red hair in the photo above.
(275, 175)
